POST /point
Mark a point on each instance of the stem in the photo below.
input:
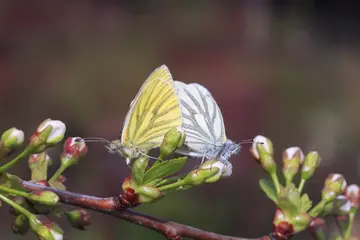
(275, 181)
(14, 191)
(301, 185)
(23, 154)
(350, 224)
(17, 207)
(171, 230)
(58, 172)
(171, 186)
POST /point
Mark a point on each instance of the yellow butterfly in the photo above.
(153, 112)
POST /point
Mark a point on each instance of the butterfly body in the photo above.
(203, 124)
(153, 112)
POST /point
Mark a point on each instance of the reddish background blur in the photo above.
(284, 69)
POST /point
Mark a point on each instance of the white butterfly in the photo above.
(203, 124)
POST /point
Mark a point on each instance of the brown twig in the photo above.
(110, 206)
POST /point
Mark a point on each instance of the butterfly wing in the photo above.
(202, 119)
(153, 112)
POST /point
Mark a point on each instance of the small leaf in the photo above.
(164, 169)
(57, 184)
(306, 203)
(269, 189)
(289, 200)
(316, 211)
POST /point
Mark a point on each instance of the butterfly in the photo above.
(203, 124)
(153, 112)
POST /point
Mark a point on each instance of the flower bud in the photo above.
(12, 138)
(311, 163)
(45, 229)
(38, 164)
(46, 198)
(78, 218)
(49, 133)
(262, 151)
(225, 170)
(173, 140)
(335, 184)
(200, 176)
(317, 229)
(282, 228)
(293, 157)
(128, 198)
(21, 225)
(148, 194)
(75, 148)
(138, 169)
(352, 193)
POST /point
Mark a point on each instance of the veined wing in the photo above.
(202, 119)
(153, 112)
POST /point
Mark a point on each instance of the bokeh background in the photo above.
(286, 69)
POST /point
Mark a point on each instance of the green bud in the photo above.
(173, 140)
(225, 170)
(78, 218)
(301, 222)
(45, 229)
(148, 194)
(21, 225)
(199, 176)
(46, 198)
(335, 185)
(293, 157)
(311, 163)
(12, 138)
(138, 169)
(262, 151)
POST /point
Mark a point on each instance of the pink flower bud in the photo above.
(74, 147)
(352, 193)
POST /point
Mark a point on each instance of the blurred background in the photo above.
(288, 70)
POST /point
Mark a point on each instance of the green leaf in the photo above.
(289, 200)
(57, 184)
(316, 211)
(306, 203)
(164, 169)
(269, 189)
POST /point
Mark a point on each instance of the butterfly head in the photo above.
(128, 152)
(228, 149)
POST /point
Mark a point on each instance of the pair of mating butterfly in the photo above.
(162, 104)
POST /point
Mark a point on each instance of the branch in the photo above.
(111, 206)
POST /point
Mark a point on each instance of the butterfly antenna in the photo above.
(93, 139)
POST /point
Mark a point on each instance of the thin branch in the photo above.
(111, 206)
